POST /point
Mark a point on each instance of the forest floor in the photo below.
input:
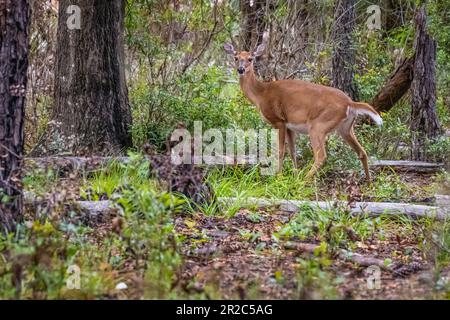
(239, 258)
(243, 269)
(245, 256)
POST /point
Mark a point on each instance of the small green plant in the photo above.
(197, 95)
(336, 226)
(312, 278)
(250, 236)
(40, 181)
(35, 261)
(151, 240)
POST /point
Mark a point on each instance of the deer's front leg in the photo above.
(281, 144)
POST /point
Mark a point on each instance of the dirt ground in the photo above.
(240, 270)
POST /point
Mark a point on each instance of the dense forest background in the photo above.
(91, 207)
(177, 71)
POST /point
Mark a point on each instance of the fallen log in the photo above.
(407, 166)
(97, 208)
(93, 208)
(370, 208)
(396, 87)
(70, 164)
(396, 268)
(342, 254)
(443, 201)
(89, 164)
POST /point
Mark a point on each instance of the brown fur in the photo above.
(295, 105)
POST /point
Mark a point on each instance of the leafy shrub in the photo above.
(199, 95)
(151, 239)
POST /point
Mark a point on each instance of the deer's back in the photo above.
(300, 101)
(298, 91)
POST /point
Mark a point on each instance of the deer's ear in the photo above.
(229, 48)
(259, 50)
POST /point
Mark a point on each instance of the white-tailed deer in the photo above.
(295, 106)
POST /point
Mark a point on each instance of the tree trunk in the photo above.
(253, 26)
(425, 125)
(396, 87)
(344, 50)
(255, 21)
(14, 22)
(92, 113)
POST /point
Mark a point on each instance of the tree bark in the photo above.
(425, 125)
(396, 87)
(344, 50)
(91, 113)
(14, 48)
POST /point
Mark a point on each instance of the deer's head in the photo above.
(244, 59)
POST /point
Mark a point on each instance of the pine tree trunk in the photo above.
(14, 22)
(344, 50)
(425, 125)
(91, 113)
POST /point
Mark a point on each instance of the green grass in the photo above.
(116, 176)
(389, 186)
(40, 181)
(244, 183)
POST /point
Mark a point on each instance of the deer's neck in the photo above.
(252, 87)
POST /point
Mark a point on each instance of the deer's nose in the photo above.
(241, 70)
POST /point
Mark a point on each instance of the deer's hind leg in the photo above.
(347, 133)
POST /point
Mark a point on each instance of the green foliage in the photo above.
(150, 238)
(199, 95)
(374, 61)
(314, 281)
(335, 226)
(34, 262)
(242, 184)
(36, 259)
(117, 176)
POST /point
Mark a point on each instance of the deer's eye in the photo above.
(236, 59)
(250, 59)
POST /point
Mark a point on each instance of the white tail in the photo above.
(361, 108)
